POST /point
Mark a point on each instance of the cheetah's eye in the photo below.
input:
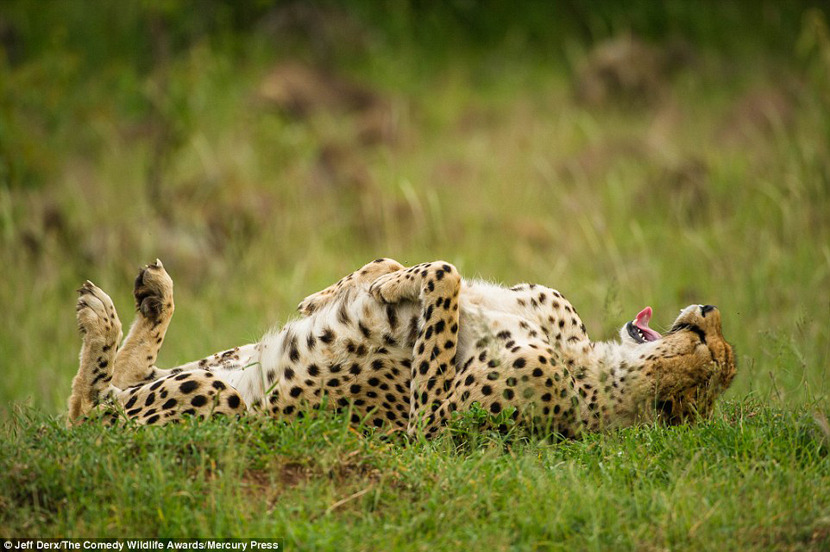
(689, 327)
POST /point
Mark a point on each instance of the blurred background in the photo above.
(627, 154)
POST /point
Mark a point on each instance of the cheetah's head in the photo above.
(688, 367)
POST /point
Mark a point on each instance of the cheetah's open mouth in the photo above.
(638, 328)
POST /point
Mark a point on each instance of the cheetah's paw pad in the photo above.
(153, 291)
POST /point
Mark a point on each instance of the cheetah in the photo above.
(404, 349)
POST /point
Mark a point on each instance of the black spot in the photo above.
(519, 363)
(364, 330)
(354, 389)
(152, 419)
(327, 336)
(333, 382)
(507, 394)
(288, 410)
(392, 316)
(130, 403)
(169, 404)
(199, 400)
(310, 342)
(486, 390)
(150, 399)
(377, 364)
(188, 386)
(355, 369)
(335, 368)
(233, 401)
(495, 408)
(296, 392)
(288, 374)
(313, 370)
(537, 372)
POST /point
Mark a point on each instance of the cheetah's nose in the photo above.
(705, 309)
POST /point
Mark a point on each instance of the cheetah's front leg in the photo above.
(367, 274)
(135, 362)
(436, 285)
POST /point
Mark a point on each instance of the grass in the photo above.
(717, 192)
(749, 479)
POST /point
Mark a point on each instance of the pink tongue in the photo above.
(642, 323)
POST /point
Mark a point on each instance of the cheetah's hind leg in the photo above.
(136, 359)
(101, 333)
(363, 276)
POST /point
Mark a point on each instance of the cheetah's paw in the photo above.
(395, 287)
(96, 314)
(315, 302)
(154, 292)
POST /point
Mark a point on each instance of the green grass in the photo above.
(752, 478)
(115, 151)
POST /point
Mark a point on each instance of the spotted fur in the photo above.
(404, 348)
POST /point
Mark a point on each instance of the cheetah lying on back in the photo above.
(405, 348)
